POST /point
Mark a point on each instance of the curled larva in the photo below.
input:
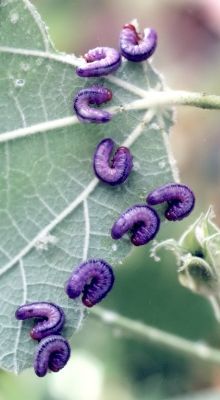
(180, 199)
(98, 62)
(52, 353)
(93, 279)
(51, 318)
(95, 94)
(140, 220)
(135, 47)
(115, 171)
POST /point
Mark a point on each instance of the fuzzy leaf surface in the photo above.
(53, 211)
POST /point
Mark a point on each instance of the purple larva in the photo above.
(51, 318)
(115, 171)
(142, 221)
(52, 353)
(99, 61)
(135, 47)
(180, 200)
(93, 278)
(92, 95)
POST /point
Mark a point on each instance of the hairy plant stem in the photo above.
(174, 98)
(157, 337)
(150, 100)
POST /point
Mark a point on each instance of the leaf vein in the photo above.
(60, 217)
(37, 19)
(87, 230)
(24, 299)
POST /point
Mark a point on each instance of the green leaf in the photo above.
(53, 212)
(198, 258)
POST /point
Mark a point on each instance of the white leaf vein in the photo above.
(18, 332)
(76, 202)
(38, 21)
(71, 60)
(87, 230)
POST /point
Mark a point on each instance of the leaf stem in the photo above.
(158, 337)
(153, 99)
(174, 98)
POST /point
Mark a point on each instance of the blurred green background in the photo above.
(106, 364)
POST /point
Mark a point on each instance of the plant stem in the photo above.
(155, 336)
(150, 99)
(175, 98)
